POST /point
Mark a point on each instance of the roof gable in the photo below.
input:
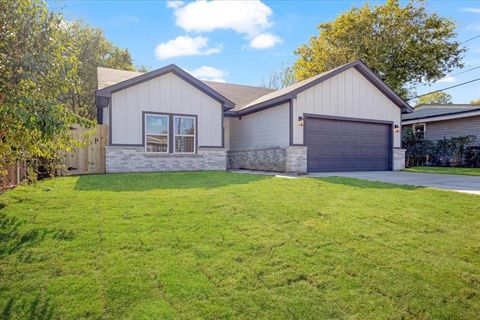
(107, 91)
(291, 91)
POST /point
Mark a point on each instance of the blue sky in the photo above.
(242, 42)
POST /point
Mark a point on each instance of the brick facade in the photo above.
(398, 159)
(135, 159)
(290, 159)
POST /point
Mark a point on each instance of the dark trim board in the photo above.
(107, 91)
(171, 134)
(290, 126)
(320, 116)
(264, 106)
(390, 125)
(443, 115)
(210, 147)
(358, 65)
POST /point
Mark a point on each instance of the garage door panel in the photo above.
(344, 145)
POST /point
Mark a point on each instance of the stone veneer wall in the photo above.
(290, 159)
(398, 159)
(135, 159)
(297, 159)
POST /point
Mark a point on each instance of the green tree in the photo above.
(435, 98)
(92, 50)
(279, 79)
(403, 45)
(476, 101)
(37, 66)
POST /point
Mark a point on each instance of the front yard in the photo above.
(447, 170)
(224, 245)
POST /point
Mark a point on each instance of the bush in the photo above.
(472, 157)
(455, 151)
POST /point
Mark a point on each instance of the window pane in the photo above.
(157, 143)
(184, 125)
(184, 144)
(156, 124)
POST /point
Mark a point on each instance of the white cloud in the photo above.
(249, 18)
(447, 79)
(209, 73)
(265, 40)
(185, 46)
(474, 26)
(175, 4)
(472, 10)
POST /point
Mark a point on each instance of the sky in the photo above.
(243, 41)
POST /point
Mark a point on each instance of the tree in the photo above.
(403, 45)
(476, 101)
(435, 98)
(279, 79)
(92, 50)
(38, 65)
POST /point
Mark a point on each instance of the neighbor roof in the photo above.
(107, 76)
(437, 110)
(243, 99)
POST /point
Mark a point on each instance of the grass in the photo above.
(447, 170)
(222, 245)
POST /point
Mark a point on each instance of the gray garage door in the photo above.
(341, 145)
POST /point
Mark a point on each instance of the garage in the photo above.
(340, 144)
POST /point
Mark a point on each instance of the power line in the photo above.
(473, 38)
(457, 85)
(449, 75)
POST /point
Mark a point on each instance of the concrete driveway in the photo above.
(466, 184)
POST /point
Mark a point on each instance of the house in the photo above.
(345, 119)
(438, 121)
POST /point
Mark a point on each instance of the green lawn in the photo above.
(447, 170)
(223, 245)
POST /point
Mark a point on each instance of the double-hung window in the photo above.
(184, 134)
(156, 133)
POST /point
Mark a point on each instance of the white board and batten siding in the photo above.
(264, 129)
(348, 94)
(164, 94)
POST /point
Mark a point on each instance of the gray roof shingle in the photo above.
(107, 76)
(435, 110)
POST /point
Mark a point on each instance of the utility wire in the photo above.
(473, 38)
(455, 86)
(450, 75)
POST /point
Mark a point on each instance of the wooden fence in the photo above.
(82, 160)
(91, 157)
(13, 176)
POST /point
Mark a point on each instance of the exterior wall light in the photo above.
(300, 121)
(396, 128)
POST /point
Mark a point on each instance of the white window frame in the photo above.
(420, 125)
(185, 135)
(146, 133)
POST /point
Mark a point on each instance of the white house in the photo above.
(345, 119)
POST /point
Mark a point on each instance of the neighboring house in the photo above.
(345, 119)
(438, 121)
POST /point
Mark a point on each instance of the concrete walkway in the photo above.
(466, 184)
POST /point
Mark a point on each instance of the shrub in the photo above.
(472, 157)
(453, 151)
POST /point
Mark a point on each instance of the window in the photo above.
(419, 130)
(184, 134)
(156, 133)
